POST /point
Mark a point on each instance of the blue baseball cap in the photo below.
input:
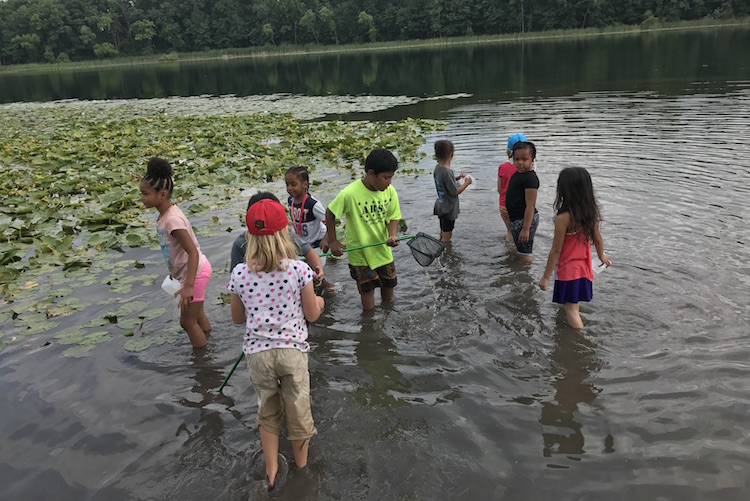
(512, 140)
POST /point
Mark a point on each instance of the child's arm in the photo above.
(186, 293)
(334, 244)
(312, 305)
(499, 185)
(313, 260)
(392, 233)
(239, 314)
(528, 214)
(599, 246)
(561, 227)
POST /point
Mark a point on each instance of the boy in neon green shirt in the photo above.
(372, 214)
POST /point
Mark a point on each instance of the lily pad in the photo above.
(152, 314)
(142, 343)
(147, 280)
(34, 323)
(97, 322)
(66, 307)
(129, 323)
(62, 292)
(78, 351)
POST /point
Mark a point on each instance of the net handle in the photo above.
(405, 237)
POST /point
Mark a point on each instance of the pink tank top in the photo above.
(504, 172)
(575, 258)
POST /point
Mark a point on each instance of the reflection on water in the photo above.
(672, 63)
(571, 363)
(375, 353)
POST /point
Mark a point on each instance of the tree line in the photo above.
(33, 31)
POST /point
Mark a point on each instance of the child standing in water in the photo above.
(180, 248)
(448, 190)
(520, 200)
(372, 212)
(576, 226)
(307, 214)
(272, 293)
(504, 173)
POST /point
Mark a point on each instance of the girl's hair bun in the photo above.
(158, 168)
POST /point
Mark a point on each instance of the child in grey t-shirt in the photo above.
(446, 184)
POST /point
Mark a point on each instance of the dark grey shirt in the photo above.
(446, 205)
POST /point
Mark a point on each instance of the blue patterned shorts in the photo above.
(516, 225)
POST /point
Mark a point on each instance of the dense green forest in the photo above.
(33, 31)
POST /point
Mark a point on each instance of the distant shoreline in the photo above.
(316, 50)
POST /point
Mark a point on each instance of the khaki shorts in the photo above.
(282, 382)
(368, 280)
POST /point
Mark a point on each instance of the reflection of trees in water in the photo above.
(572, 362)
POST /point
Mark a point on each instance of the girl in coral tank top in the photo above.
(576, 227)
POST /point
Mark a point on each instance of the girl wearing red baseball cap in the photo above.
(273, 294)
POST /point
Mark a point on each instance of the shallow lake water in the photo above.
(469, 385)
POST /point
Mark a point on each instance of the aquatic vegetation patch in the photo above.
(69, 175)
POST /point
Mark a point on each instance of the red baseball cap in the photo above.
(265, 217)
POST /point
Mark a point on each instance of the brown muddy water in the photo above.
(470, 385)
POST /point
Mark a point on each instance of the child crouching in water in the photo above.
(576, 226)
(180, 248)
(272, 293)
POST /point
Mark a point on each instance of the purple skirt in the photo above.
(572, 291)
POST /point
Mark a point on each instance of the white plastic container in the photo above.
(473, 181)
(597, 264)
(171, 285)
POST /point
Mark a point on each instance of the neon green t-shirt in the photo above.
(367, 216)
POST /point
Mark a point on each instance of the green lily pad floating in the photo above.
(97, 322)
(3, 317)
(143, 343)
(78, 351)
(198, 208)
(129, 323)
(67, 307)
(34, 323)
(122, 288)
(62, 292)
(171, 334)
(126, 309)
(153, 314)
(147, 280)
(224, 298)
(85, 341)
